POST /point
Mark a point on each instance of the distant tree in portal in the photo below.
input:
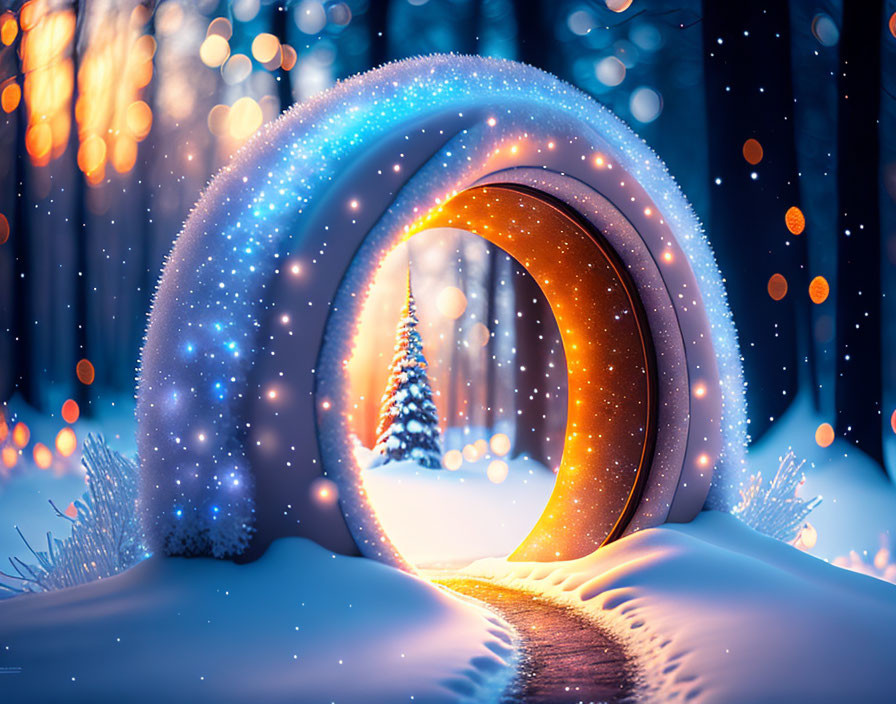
(408, 427)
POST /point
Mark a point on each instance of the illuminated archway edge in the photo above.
(584, 175)
(688, 439)
(211, 483)
(611, 369)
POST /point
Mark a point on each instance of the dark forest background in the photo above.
(116, 113)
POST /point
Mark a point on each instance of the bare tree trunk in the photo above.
(23, 352)
(280, 25)
(81, 232)
(531, 369)
(378, 24)
(531, 34)
(746, 215)
(858, 268)
(491, 369)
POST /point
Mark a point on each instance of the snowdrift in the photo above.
(713, 612)
(299, 625)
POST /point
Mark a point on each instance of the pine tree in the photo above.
(409, 422)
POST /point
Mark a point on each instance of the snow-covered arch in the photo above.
(239, 385)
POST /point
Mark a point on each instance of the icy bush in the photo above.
(776, 509)
(106, 537)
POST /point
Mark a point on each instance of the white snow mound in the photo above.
(298, 625)
(712, 611)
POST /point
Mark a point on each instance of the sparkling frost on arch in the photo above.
(198, 490)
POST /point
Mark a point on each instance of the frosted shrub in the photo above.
(776, 509)
(106, 537)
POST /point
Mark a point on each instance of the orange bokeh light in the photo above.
(66, 442)
(795, 220)
(10, 456)
(777, 287)
(21, 434)
(139, 119)
(39, 141)
(752, 151)
(824, 435)
(266, 48)
(9, 29)
(70, 411)
(85, 372)
(452, 460)
(4, 229)
(10, 96)
(124, 153)
(819, 289)
(43, 456)
(893, 421)
(289, 58)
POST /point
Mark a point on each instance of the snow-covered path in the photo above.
(565, 657)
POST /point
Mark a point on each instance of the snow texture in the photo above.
(409, 422)
(711, 611)
(198, 495)
(105, 535)
(450, 518)
(299, 625)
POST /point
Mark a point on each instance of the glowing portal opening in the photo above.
(609, 363)
(456, 398)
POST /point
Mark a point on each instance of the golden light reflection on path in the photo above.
(611, 415)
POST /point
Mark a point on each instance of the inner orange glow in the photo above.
(609, 362)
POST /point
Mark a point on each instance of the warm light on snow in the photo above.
(452, 460)
(497, 471)
(500, 444)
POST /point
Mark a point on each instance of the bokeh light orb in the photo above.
(824, 435)
(452, 302)
(752, 151)
(66, 442)
(43, 456)
(777, 287)
(795, 220)
(500, 444)
(819, 289)
(646, 104)
(497, 471)
(85, 372)
(452, 460)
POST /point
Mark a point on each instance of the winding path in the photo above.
(566, 658)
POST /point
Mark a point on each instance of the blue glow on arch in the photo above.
(217, 276)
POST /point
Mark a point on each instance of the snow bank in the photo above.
(713, 612)
(440, 518)
(300, 624)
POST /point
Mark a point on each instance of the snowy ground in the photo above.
(298, 625)
(440, 518)
(858, 510)
(714, 612)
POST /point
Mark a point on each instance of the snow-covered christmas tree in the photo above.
(409, 422)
